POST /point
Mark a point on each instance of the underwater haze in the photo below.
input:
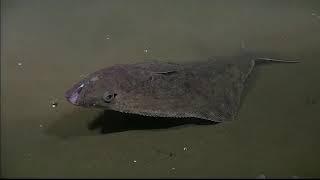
(47, 46)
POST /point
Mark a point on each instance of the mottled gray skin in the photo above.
(207, 90)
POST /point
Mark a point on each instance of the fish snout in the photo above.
(72, 98)
(72, 95)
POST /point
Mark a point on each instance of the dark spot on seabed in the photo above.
(112, 121)
(166, 153)
(311, 100)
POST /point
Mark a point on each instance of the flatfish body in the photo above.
(209, 90)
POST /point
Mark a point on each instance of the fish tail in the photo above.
(276, 60)
(261, 57)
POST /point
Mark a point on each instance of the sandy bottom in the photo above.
(46, 46)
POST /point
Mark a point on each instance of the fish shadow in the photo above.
(113, 121)
(88, 123)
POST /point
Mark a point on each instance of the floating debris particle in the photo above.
(146, 50)
(54, 103)
(316, 15)
(185, 148)
(83, 75)
(134, 161)
(19, 64)
(173, 168)
(40, 125)
(108, 36)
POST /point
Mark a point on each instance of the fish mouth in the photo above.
(73, 95)
(73, 99)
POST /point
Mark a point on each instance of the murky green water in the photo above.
(47, 45)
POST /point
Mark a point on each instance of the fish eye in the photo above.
(108, 97)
